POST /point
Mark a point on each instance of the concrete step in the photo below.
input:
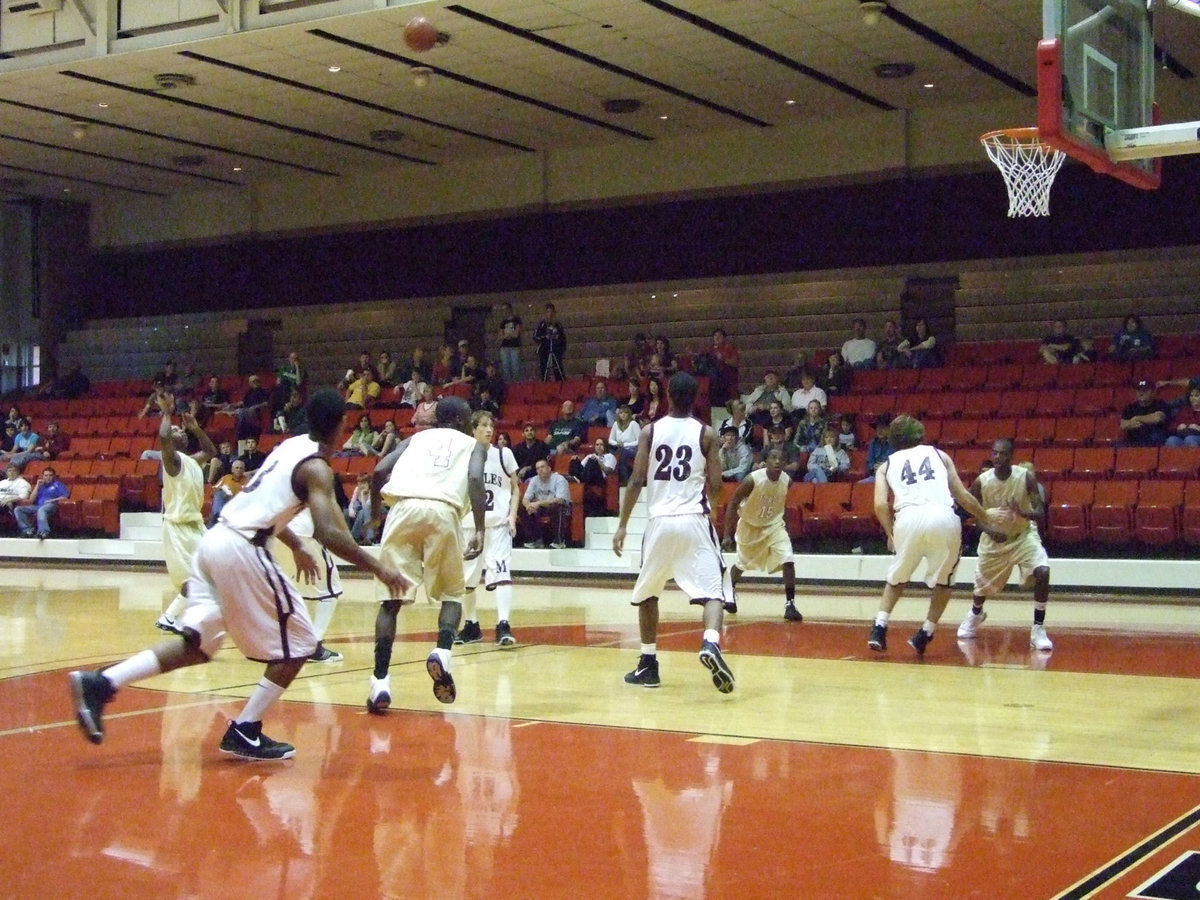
(142, 526)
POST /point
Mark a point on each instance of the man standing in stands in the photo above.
(677, 460)
(552, 346)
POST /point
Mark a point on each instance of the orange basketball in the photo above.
(420, 34)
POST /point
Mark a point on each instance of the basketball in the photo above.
(420, 34)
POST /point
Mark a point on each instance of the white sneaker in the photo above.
(380, 696)
(970, 625)
(1038, 639)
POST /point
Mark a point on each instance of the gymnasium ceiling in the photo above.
(516, 77)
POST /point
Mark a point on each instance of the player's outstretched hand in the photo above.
(474, 546)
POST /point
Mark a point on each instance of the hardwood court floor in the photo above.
(983, 771)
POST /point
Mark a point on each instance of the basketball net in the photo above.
(1028, 166)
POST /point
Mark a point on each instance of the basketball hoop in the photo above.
(1028, 166)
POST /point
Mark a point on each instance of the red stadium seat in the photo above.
(1067, 511)
(1111, 520)
(1034, 432)
(1135, 462)
(1092, 462)
(799, 500)
(1156, 518)
(830, 501)
(1053, 463)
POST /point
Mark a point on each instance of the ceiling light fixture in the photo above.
(872, 11)
(79, 130)
(335, 68)
(421, 75)
(892, 70)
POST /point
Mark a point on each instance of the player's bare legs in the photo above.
(877, 640)
(380, 696)
(646, 671)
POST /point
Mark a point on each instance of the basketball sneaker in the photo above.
(245, 739)
(504, 635)
(970, 625)
(711, 659)
(470, 633)
(443, 685)
(645, 672)
(90, 691)
(920, 641)
(1038, 639)
(877, 640)
(379, 698)
(166, 623)
(791, 613)
(324, 654)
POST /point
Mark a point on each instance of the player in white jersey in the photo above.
(920, 523)
(183, 500)
(1013, 497)
(502, 494)
(237, 588)
(763, 544)
(677, 460)
(438, 482)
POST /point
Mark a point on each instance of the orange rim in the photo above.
(1026, 135)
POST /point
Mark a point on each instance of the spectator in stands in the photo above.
(623, 438)
(920, 351)
(568, 432)
(417, 362)
(290, 375)
(358, 511)
(666, 359)
(810, 429)
(213, 399)
(1086, 354)
(1059, 347)
(408, 395)
(363, 392)
(228, 486)
(510, 343)
(361, 441)
(251, 456)
(834, 378)
(461, 352)
(759, 402)
(168, 377)
(386, 439)
(150, 408)
(636, 400)
(493, 381)
(1185, 429)
(800, 365)
(594, 471)
(25, 442)
(738, 419)
(1190, 383)
(776, 416)
(74, 384)
(15, 416)
(723, 384)
(10, 438)
(468, 372)
(600, 408)
(483, 401)
(248, 412)
(887, 349)
(736, 458)
(847, 438)
(1144, 421)
(443, 368)
(656, 404)
(546, 508)
(187, 383)
(859, 351)
(777, 439)
(41, 507)
(14, 489)
(529, 451)
(425, 413)
(386, 367)
(828, 461)
(879, 448)
(221, 462)
(551, 339)
(1132, 341)
(47, 447)
(637, 357)
(808, 393)
(292, 419)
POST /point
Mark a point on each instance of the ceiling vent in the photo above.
(386, 135)
(188, 161)
(168, 81)
(32, 7)
(622, 105)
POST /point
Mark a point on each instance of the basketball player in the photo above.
(920, 523)
(183, 500)
(763, 544)
(237, 587)
(441, 479)
(502, 497)
(1015, 491)
(324, 589)
(680, 541)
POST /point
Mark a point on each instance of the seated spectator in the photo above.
(777, 439)
(847, 438)
(738, 419)
(656, 403)
(483, 401)
(920, 351)
(777, 418)
(834, 378)
(418, 363)
(221, 463)
(14, 489)
(15, 416)
(9, 440)
(859, 351)
(187, 383)
(828, 461)
(48, 447)
(460, 357)
(214, 398)
(386, 439)
(807, 393)
(879, 448)
(151, 408)
(623, 438)
(24, 443)
(168, 377)
(758, 403)
(290, 375)
(74, 384)
(529, 451)
(292, 419)
(358, 511)
(810, 429)
(800, 365)
(1190, 383)
(363, 392)
(546, 508)
(1144, 421)
(1059, 347)
(408, 395)
(594, 471)
(719, 363)
(493, 381)
(247, 412)
(361, 441)
(1185, 429)
(735, 455)
(568, 432)
(1086, 354)
(887, 349)
(600, 408)
(228, 486)
(386, 367)
(637, 357)
(468, 371)
(1132, 341)
(425, 414)
(444, 367)
(251, 456)
(670, 365)
(40, 508)
(636, 400)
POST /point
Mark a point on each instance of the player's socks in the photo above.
(138, 667)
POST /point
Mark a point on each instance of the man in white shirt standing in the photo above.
(859, 351)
